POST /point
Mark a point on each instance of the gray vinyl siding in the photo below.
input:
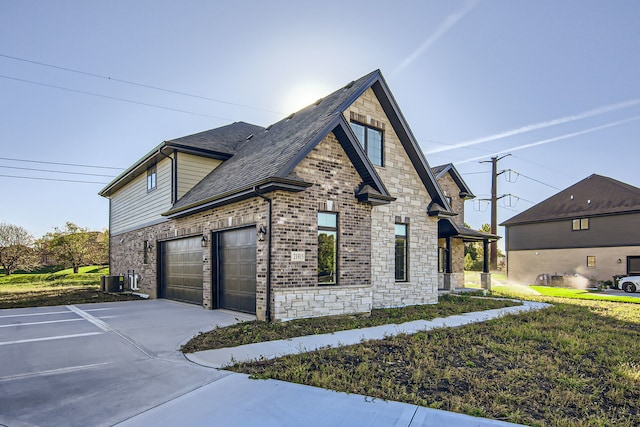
(604, 231)
(133, 207)
(191, 170)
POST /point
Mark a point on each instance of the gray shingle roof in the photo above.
(222, 140)
(269, 151)
(593, 196)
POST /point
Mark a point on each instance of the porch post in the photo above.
(485, 276)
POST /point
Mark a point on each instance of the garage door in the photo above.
(181, 266)
(236, 275)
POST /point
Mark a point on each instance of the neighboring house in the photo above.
(591, 229)
(452, 233)
(332, 210)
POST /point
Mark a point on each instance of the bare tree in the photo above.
(16, 249)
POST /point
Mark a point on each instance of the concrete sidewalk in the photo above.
(223, 357)
(240, 401)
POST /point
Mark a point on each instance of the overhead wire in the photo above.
(53, 179)
(100, 76)
(115, 98)
(55, 171)
(62, 164)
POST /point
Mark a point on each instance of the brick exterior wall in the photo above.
(402, 182)
(366, 235)
(129, 254)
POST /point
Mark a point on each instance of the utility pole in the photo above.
(493, 248)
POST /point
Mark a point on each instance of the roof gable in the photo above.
(441, 170)
(593, 196)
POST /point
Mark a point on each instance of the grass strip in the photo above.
(258, 331)
(575, 364)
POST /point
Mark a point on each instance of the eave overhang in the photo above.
(265, 186)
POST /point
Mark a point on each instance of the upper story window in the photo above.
(327, 248)
(152, 178)
(580, 224)
(371, 139)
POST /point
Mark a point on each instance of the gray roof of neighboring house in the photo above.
(439, 172)
(593, 196)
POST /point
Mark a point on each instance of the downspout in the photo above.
(174, 177)
(268, 292)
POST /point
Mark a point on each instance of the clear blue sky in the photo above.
(473, 79)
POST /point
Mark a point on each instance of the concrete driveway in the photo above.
(99, 364)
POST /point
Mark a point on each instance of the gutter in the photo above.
(269, 246)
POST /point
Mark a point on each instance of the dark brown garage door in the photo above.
(236, 269)
(181, 268)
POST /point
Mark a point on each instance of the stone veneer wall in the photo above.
(295, 228)
(451, 189)
(129, 254)
(402, 182)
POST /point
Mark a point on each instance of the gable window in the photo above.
(402, 253)
(591, 261)
(152, 175)
(327, 248)
(371, 140)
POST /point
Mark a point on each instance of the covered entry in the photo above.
(181, 270)
(234, 269)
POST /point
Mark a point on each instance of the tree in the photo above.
(16, 249)
(76, 246)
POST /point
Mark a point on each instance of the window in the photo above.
(327, 248)
(591, 261)
(145, 252)
(580, 224)
(371, 139)
(151, 178)
(402, 253)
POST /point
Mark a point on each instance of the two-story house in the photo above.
(591, 229)
(332, 210)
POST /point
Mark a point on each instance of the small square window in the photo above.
(152, 175)
(591, 261)
(580, 224)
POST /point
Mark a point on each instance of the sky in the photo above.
(89, 87)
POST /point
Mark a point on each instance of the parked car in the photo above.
(630, 283)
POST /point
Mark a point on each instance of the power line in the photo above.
(113, 98)
(54, 171)
(533, 179)
(475, 173)
(53, 179)
(135, 83)
(62, 164)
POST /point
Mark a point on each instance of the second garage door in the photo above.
(236, 272)
(181, 267)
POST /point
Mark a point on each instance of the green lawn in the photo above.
(55, 288)
(575, 364)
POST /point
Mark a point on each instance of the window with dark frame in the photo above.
(371, 140)
(580, 224)
(152, 175)
(402, 253)
(591, 261)
(327, 248)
